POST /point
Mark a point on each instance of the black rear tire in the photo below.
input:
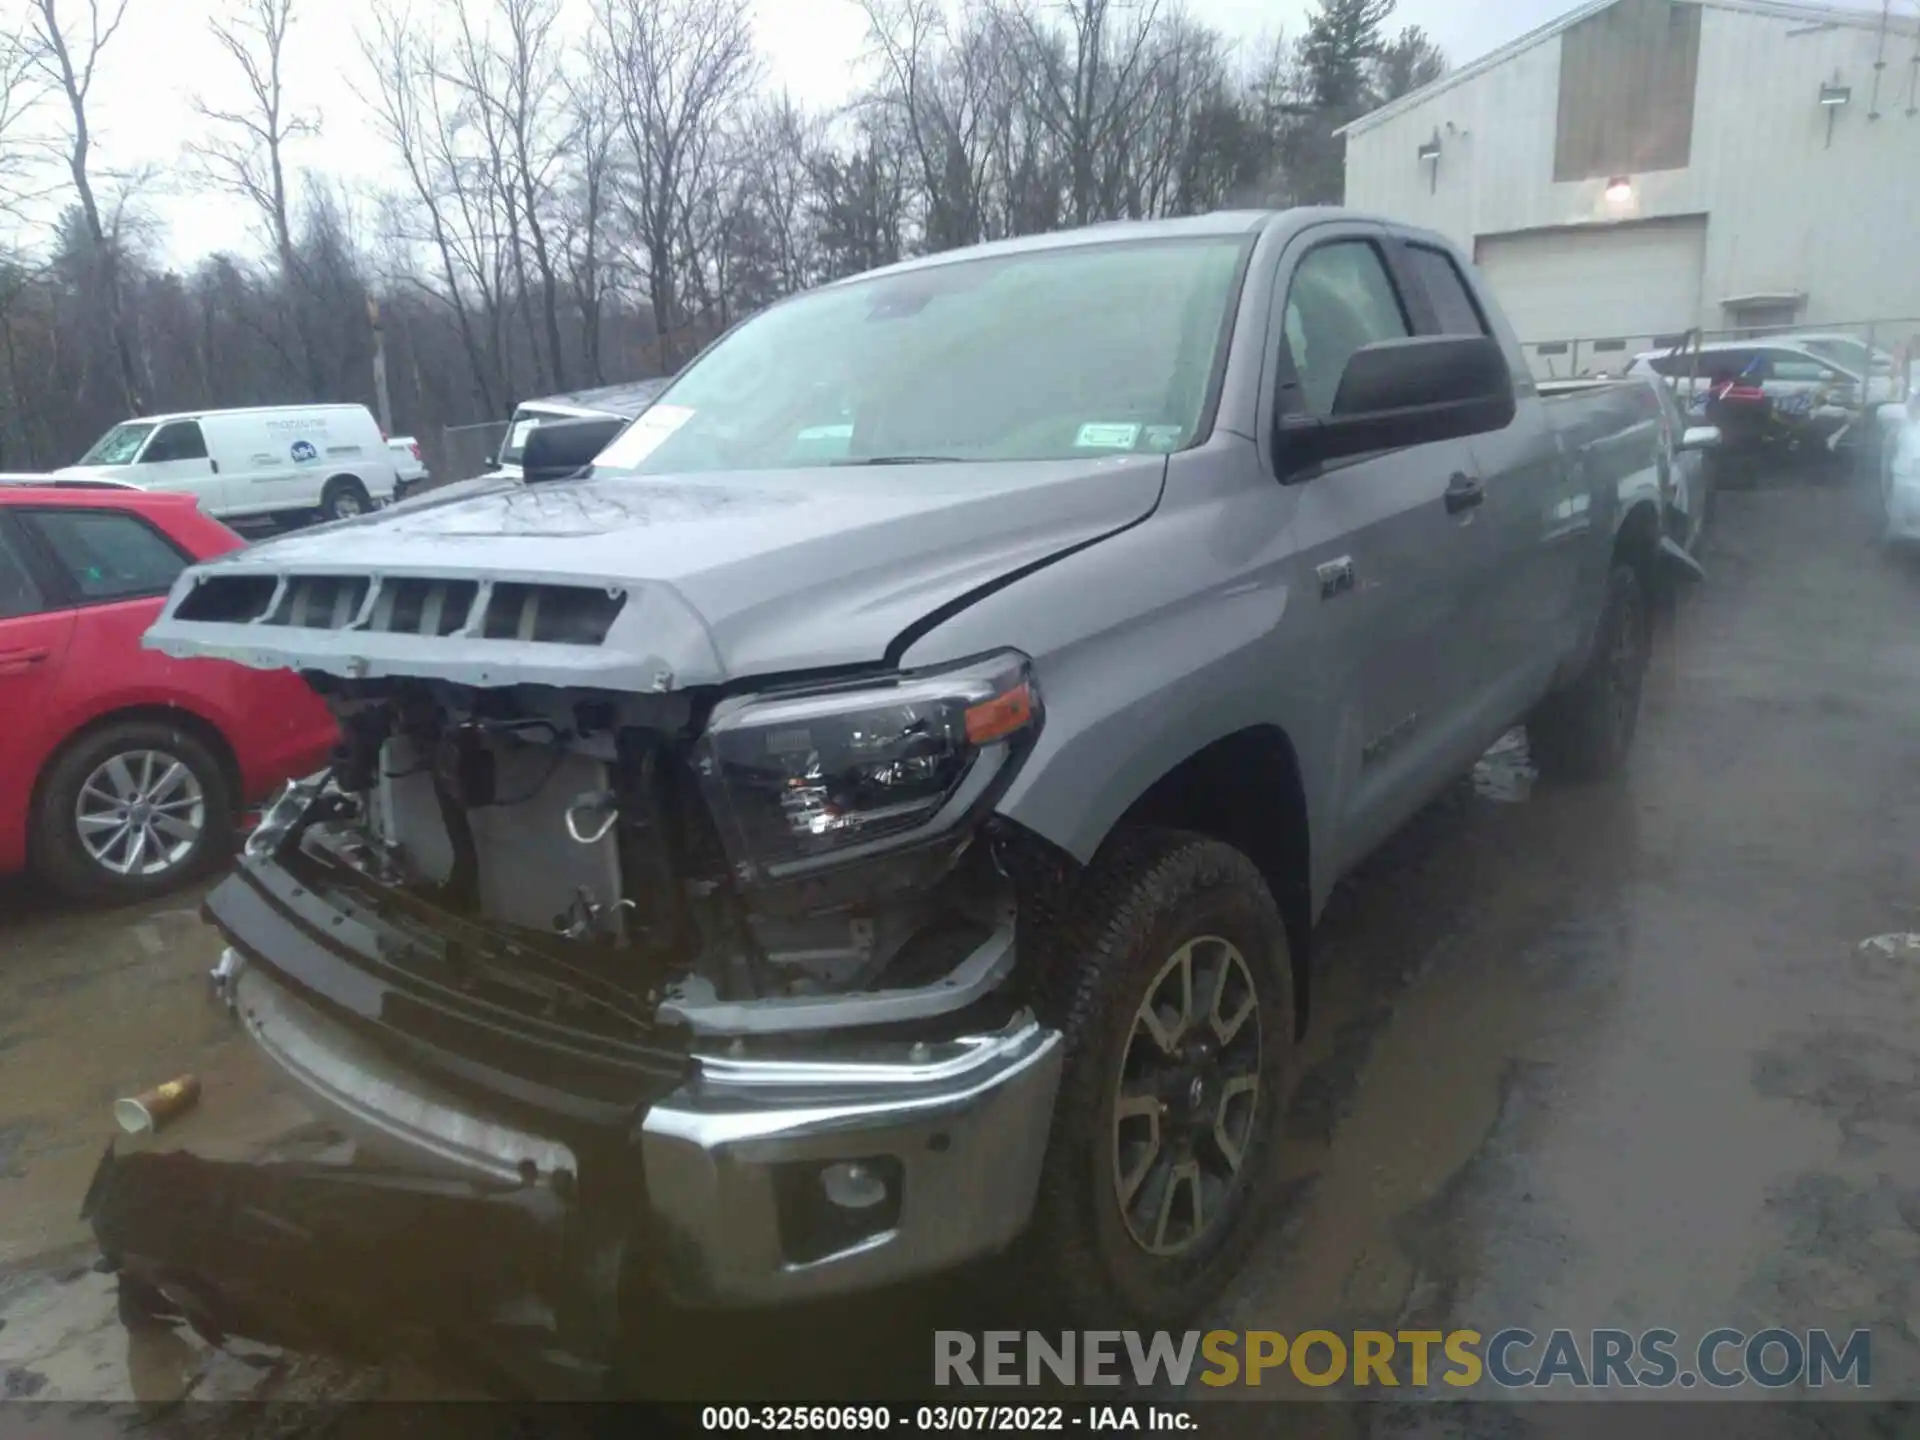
(64, 859)
(343, 498)
(1586, 731)
(1154, 893)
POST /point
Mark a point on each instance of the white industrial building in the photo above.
(1641, 168)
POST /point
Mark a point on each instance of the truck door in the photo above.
(1519, 598)
(1388, 543)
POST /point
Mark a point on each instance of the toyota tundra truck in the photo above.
(874, 816)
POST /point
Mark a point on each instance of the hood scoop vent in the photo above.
(409, 605)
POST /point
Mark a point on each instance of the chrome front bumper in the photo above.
(948, 1137)
(390, 1112)
(736, 1164)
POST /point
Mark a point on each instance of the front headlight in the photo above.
(802, 780)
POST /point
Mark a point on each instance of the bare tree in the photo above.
(583, 239)
(1091, 86)
(474, 74)
(22, 87)
(534, 105)
(860, 198)
(937, 102)
(407, 109)
(70, 58)
(679, 69)
(246, 151)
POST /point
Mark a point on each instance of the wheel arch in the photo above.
(1636, 540)
(1246, 789)
(195, 724)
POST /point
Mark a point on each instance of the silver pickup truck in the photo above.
(875, 816)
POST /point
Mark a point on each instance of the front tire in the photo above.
(131, 810)
(1585, 731)
(1173, 986)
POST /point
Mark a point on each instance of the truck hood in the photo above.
(647, 584)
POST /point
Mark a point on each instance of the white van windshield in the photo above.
(119, 445)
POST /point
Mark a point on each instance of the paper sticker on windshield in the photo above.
(644, 436)
(1165, 437)
(1107, 437)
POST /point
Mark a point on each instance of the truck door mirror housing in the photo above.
(1397, 393)
(565, 447)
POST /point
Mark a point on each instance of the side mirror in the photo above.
(566, 447)
(1700, 437)
(1397, 393)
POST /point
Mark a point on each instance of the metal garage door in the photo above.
(1630, 281)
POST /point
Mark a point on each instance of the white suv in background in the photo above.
(624, 401)
(284, 460)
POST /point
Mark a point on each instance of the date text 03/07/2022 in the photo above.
(941, 1419)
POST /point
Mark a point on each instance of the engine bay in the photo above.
(581, 828)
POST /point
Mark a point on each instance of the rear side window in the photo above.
(18, 594)
(1788, 366)
(1453, 304)
(109, 554)
(1341, 299)
(181, 440)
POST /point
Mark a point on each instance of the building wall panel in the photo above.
(1786, 210)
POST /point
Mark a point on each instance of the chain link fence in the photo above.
(459, 452)
(1894, 344)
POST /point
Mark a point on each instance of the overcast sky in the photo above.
(143, 110)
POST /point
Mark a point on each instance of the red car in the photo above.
(123, 771)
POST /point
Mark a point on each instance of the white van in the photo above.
(326, 458)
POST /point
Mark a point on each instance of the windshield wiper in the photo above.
(902, 460)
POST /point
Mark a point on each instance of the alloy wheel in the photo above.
(141, 813)
(1187, 1097)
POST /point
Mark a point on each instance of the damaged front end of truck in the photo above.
(623, 979)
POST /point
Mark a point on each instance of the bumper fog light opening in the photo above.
(853, 1186)
(829, 1207)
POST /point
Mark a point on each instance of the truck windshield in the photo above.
(1038, 355)
(119, 445)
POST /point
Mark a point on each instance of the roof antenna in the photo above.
(1879, 58)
